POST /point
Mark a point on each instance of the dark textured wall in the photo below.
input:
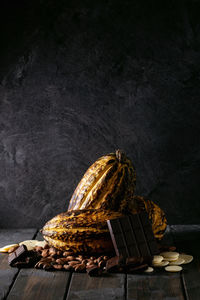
(80, 79)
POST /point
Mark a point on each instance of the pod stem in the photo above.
(120, 155)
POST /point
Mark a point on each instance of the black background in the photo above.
(80, 79)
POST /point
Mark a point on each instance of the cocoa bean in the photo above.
(52, 252)
(70, 258)
(57, 267)
(79, 267)
(67, 267)
(45, 252)
(47, 266)
(38, 249)
(100, 258)
(102, 264)
(90, 263)
(61, 261)
(73, 263)
(39, 265)
(84, 261)
(92, 257)
(79, 259)
(67, 253)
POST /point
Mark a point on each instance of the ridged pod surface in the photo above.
(108, 184)
(86, 230)
(81, 231)
(156, 214)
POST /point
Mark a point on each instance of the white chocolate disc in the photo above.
(149, 270)
(173, 268)
(157, 259)
(30, 244)
(163, 263)
(171, 254)
(187, 258)
(177, 262)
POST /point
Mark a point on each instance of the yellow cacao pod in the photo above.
(108, 184)
(83, 231)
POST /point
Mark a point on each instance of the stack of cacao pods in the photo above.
(105, 192)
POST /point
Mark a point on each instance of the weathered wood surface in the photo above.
(110, 287)
(154, 287)
(39, 284)
(7, 274)
(187, 239)
(34, 284)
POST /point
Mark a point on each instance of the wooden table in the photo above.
(39, 284)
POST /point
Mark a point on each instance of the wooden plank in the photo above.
(7, 274)
(187, 239)
(106, 287)
(34, 284)
(151, 287)
(158, 285)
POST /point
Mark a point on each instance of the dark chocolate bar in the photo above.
(19, 253)
(132, 236)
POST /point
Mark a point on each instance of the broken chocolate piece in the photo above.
(17, 255)
(115, 264)
(137, 269)
(94, 270)
(134, 261)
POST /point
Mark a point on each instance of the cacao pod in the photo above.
(108, 184)
(156, 214)
(84, 231)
